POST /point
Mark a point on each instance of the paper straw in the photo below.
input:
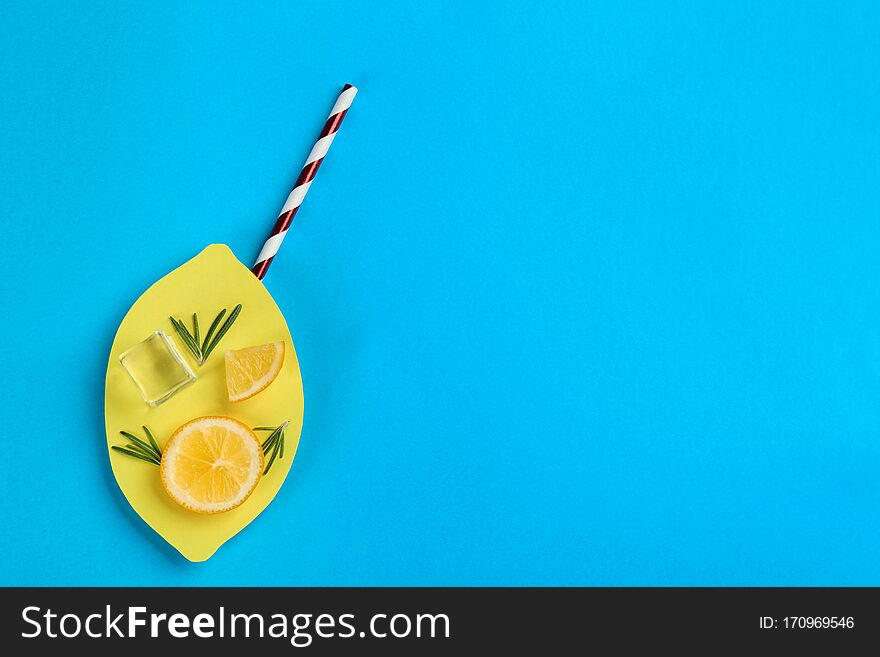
(310, 168)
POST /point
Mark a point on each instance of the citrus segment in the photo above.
(211, 464)
(251, 370)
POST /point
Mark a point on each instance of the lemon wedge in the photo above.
(251, 370)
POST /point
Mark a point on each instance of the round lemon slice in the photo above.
(251, 370)
(211, 464)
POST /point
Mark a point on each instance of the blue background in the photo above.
(586, 293)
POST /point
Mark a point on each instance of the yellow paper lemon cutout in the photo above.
(213, 280)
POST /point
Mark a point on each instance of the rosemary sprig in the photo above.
(202, 349)
(274, 444)
(139, 448)
(188, 339)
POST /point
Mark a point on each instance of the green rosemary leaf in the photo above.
(265, 428)
(195, 333)
(191, 342)
(223, 329)
(271, 461)
(211, 330)
(186, 337)
(137, 441)
(174, 324)
(152, 440)
(134, 454)
(281, 437)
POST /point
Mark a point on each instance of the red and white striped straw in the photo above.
(310, 168)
